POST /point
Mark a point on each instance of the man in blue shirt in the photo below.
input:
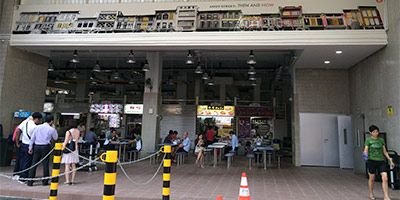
(91, 137)
(39, 146)
(184, 146)
(234, 142)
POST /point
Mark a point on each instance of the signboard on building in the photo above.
(255, 111)
(133, 109)
(22, 114)
(205, 110)
(106, 108)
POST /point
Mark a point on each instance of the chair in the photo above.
(135, 154)
(250, 157)
(229, 157)
(181, 158)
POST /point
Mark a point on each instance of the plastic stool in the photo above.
(229, 157)
(181, 158)
(250, 157)
(135, 154)
(258, 154)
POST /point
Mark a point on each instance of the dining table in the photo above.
(216, 146)
(264, 149)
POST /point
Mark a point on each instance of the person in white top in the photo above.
(26, 129)
(82, 129)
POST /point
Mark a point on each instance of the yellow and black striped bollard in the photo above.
(56, 171)
(167, 173)
(110, 175)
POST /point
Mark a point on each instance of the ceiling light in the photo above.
(198, 69)
(253, 83)
(327, 61)
(205, 76)
(146, 66)
(251, 60)
(211, 82)
(131, 58)
(75, 58)
(57, 81)
(252, 77)
(339, 52)
(115, 75)
(97, 67)
(74, 75)
(51, 66)
(94, 81)
(131, 81)
(189, 59)
(251, 70)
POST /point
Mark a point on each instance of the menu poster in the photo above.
(205, 110)
(244, 126)
(133, 109)
(106, 108)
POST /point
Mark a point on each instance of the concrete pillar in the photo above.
(81, 91)
(181, 87)
(257, 90)
(222, 93)
(197, 85)
(152, 102)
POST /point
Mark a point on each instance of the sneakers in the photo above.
(21, 181)
(15, 177)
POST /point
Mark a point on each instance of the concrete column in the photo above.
(152, 102)
(81, 91)
(222, 93)
(181, 87)
(197, 85)
(257, 90)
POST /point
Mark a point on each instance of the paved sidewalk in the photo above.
(190, 182)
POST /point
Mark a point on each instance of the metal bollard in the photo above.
(167, 172)
(55, 171)
(110, 174)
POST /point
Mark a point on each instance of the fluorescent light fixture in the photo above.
(253, 83)
(251, 70)
(205, 76)
(251, 60)
(252, 77)
(198, 69)
(70, 113)
(339, 52)
(189, 59)
(116, 75)
(74, 75)
(51, 66)
(327, 61)
(211, 82)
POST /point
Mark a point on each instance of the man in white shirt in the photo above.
(82, 129)
(26, 129)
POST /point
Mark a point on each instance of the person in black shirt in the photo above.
(168, 139)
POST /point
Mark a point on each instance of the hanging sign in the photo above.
(390, 111)
(133, 109)
(22, 114)
(216, 110)
(106, 108)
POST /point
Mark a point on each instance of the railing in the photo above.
(55, 2)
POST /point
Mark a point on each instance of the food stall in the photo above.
(133, 116)
(105, 116)
(255, 120)
(221, 117)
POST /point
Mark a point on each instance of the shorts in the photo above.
(181, 150)
(376, 165)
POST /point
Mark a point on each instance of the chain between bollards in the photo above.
(110, 174)
(167, 172)
(55, 171)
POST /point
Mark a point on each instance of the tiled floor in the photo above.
(190, 182)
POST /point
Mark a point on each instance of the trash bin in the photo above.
(394, 174)
(6, 150)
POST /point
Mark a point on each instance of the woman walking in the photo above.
(70, 159)
(374, 153)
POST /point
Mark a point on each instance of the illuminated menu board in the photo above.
(133, 109)
(205, 110)
(106, 108)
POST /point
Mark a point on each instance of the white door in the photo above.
(345, 142)
(330, 141)
(319, 145)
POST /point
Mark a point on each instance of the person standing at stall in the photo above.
(375, 153)
(82, 129)
(40, 146)
(210, 135)
(26, 132)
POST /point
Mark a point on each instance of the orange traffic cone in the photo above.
(219, 197)
(244, 193)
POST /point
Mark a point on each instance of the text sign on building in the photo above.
(205, 110)
(22, 114)
(106, 108)
(133, 109)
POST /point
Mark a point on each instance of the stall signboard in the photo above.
(255, 111)
(22, 114)
(113, 119)
(133, 109)
(244, 126)
(48, 107)
(204, 110)
(106, 108)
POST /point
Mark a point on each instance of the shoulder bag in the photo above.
(70, 147)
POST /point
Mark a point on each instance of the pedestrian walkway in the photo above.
(191, 182)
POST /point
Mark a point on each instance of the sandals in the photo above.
(372, 197)
(67, 183)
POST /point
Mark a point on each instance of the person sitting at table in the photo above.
(137, 142)
(234, 142)
(90, 137)
(109, 144)
(199, 149)
(168, 139)
(183, 147)
(258, 140)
